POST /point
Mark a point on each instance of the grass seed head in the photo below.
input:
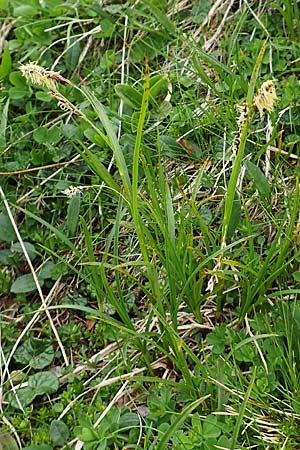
(44, 77)
(266, 97)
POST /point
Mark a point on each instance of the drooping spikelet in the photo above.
(44, 77)
(64, 104)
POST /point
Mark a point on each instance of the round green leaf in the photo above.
(6, 257)
(7, 442)
(211, 429)
(205, 214)
(44, 383)
(41, 135)
(54, 135)
(46, 270)
(16, 247)
(25, 396)
(24, 284)
(36, 353)
(59, 432)
(296, 276)
(16, 93)
(43, 96)
(7, 233)
(25, 11)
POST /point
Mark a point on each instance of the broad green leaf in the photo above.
(170, 146)
(72, 55)
(260, 181)
(17, 79)
(46, 270)
(73, 214)
(6, 257)
(158, 83)
(25, 396)
(40, 135)
(200, 11)
(59, 432)
(210, 428)
(7, 233)
(16, 93)
(16, 248)
(25, 11)
(107, 27)
(296, 276)
(94, 137)
(54, 135)
(71, 131)
(44, 383)
(205, 214)
(24, 284)
(36, 353)
(86, 434)
(131, 96)
(7, 442)
(5, 65)
(128, 420)
(43, 96)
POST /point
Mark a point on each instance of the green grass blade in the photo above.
(112, 138)
(97, 166)
(241, 139)
(97, 282)
(140, 227)
(242, 410)
(163, 443)
(57, 233)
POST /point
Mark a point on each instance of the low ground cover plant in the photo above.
(149, 223)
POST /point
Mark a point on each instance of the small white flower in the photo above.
(73, 190)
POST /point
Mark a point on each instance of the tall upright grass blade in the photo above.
(276, 260)
(135, 207)
(97, 166)
(242, 410)
(163, 443)
(97, 282)
(112, 138)
(229, 199)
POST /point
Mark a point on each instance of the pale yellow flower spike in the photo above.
(266, 97)
(39, 75)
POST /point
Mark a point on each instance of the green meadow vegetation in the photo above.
(149, 225)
